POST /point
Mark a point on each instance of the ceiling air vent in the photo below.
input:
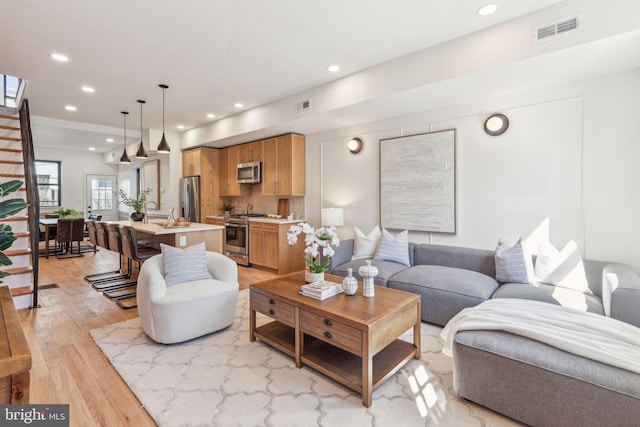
(549, 31)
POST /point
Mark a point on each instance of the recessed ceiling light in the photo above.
(180, 126)
(211, 116)
(88, 89)
(238, 105)
(70, 108)
(109, 139)
(92, 148)
(59, 57)
(487, 9)
(333, 68)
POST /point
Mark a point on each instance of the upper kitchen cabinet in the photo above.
(204, 162)
(191, 160)
(229, 185)
(283, 165)
(251, 152)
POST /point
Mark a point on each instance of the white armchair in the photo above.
(187, 310)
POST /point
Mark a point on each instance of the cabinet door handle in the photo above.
(272, 311)
(328, 335)
(272, 301)
(328, 322)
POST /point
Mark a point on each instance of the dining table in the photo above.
(48, 224)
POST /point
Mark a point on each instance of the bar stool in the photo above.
(133, 252)
(90, 224)
(114, 289)
(101, 280)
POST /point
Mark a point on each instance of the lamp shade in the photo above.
(332, 217)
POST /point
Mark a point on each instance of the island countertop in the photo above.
(156, 227)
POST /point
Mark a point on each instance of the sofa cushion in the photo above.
(513, 263)
(551, 294)
(386, 269)
(444, 291)
(480, 260)
(394, 249)
(365, 245)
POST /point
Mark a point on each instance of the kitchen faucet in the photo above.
(145, 219)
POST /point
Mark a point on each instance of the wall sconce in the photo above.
(332, 217)
(496, 124)
(355, 145)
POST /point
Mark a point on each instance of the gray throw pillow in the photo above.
(393, 249)
(184, 265)
(513, 264)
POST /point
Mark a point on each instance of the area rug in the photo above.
(223, 379)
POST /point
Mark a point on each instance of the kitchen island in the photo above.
(195, 233)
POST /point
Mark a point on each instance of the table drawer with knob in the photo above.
(331, 331)
(273, 307)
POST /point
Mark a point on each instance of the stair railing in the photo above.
(33, 196)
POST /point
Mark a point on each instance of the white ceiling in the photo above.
(210, 53)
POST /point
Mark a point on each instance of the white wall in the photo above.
(75, 166)
(568, 162)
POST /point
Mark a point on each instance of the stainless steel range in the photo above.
(236, 239)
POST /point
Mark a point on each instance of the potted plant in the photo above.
(65, 212)
(8, 208)
(227, 207)
(318, 242)
(136, 204)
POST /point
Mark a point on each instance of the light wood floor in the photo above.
(67, 365)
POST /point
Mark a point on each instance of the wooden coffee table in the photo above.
(351, 339)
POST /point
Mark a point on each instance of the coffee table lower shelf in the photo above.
(335, 363)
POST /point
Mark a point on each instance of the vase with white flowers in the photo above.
(319, 243)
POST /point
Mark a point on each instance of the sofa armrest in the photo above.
(342, 254)
(621, 293)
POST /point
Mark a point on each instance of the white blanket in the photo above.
(588, 335)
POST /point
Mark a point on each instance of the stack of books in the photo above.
(321, 290)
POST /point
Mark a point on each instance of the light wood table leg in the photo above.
(299, 339)
(367, 370)
(417, 332)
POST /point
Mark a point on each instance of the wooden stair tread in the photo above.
(20, 234)
(16, 118)
(14, 218)
(17, 252)
(18, 270)
(11, 175)
(10, 138)
(23, 290)
(11, 150)
(11, 162)
(9, 127)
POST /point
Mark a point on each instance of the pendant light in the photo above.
(124, 159)
(163, 147)
(141, 154)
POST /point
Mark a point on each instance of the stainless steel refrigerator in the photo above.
(190, 198)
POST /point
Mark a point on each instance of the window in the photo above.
(101, 194)
(49, 173)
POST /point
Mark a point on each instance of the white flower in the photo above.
(317, 241)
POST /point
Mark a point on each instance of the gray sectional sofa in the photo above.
(524, 379)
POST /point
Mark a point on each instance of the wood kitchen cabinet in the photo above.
(228, 179)
(268, 248)
(204, 162)
(283, 165)
(250, 152)
(191, 162)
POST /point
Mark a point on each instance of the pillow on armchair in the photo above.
(184, 265)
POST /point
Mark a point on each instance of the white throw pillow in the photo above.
(184, 265)
(393, 249)
(561, 268)
(365, 246)
(513, 264)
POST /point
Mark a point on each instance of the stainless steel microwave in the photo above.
(249, 173)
